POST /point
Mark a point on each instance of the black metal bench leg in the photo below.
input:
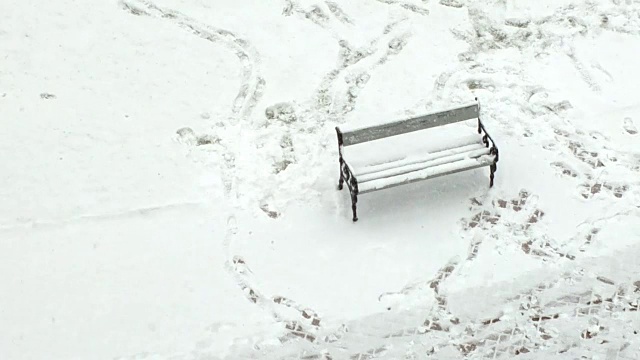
(354, 201)
(341, 180)
(493, 170)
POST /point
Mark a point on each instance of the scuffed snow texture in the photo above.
(169, 170)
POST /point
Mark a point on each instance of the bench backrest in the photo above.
(364, 134)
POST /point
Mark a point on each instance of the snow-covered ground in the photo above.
(169, 168)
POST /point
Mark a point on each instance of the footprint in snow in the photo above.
(629, 126)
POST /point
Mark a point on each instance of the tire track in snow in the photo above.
(252, 82)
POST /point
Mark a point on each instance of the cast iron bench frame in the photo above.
(432, 120)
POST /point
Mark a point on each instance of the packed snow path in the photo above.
(543, 265)
(576, 158)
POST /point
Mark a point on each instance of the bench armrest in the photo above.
(486, 138)
(346, 174)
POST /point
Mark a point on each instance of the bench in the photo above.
(407, 159)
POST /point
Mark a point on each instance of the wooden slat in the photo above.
(364, 170)
(360, 135)
(400, 170)
(445, 169)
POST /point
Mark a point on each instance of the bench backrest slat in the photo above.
(357, 136)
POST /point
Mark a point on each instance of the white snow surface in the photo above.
(168, 174)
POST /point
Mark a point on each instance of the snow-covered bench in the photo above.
(375, 158)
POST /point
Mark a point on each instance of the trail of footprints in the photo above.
(530, 100)
(536, 37)
(339, 89)
(517, 217)
(252, 83)
(629, 126)
(407, 5)
(533, 329)
(592, 185)
(440, 319)
(351, 71)
(546, 316)
(304, 325)
(328, 15)
(356, 65)
(248, 96)
(321, 14)
(520, 217)
(493, 336)
(571, 314)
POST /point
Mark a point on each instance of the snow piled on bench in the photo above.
(169, 172)
(449, 167)
(357, 125)
(412, 146)
(420, 162)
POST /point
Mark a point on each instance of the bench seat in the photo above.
(397, 153)
(425, 170)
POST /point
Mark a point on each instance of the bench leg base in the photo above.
(341, 180)
(493, 170)
(354, 201)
